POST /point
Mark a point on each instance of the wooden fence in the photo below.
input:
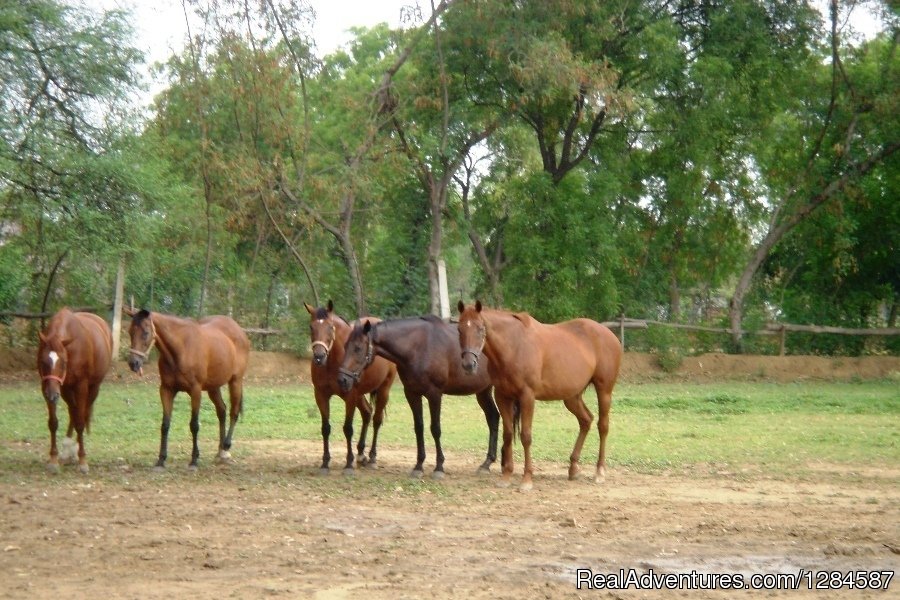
(779, 329)
(620, 325)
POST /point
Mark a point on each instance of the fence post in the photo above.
(622, 330)
(781, 336)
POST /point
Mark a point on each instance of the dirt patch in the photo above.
(268, 525)
(17, 364)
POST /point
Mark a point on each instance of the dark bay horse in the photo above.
(532, 361)
(73, 356)
(194, 356)
(426, 351)
(329, 334)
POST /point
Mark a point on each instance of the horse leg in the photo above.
(365, 411)
(415, 404)
(506, 407)
(526, 408)
(434, 408)
(236, 402)
(215, 394)
(82, 405)
(381, 400)
(196, 398)
(323, 401)
(167, 398)
(349, 411)
(492, 417)
(577, 407)
(604, 403)
(52, 425)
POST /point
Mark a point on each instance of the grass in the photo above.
(776, 427)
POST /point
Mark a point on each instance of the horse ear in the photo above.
(309, 309)
(460, 306)
(478, 306)
(42, 337)
(129, 312)
(367, 326)
(330, 306)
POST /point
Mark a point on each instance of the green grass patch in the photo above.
(776, 427)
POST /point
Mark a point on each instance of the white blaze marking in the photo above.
(53, 358)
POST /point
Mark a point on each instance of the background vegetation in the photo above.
(722, 163)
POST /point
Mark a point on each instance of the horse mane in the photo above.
(523, 317)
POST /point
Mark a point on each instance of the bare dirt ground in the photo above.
(267, 525)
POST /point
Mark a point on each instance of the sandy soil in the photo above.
(267, 525)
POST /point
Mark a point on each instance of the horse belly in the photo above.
(564, 376)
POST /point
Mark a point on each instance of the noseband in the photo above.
(370, 356)
(327, 346)
(146, 353)
(56, 378)
(476, 353)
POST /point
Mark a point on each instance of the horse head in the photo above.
(359, 352)
(321, 331)
(52, 362)
(472, 334)
(143, 336)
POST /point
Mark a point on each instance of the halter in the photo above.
(56, 378)
(476, 353)
(146, 353)
(327, 346)
(370, 356)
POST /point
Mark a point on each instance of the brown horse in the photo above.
(194, 356)
(73, 356)
(426, 351)
(532, 361)
(329, 333)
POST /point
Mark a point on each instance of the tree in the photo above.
(72, 180)
(849, 133)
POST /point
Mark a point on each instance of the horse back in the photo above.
(226, 348)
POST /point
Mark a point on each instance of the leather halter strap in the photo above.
(56, 378)
(146, 353)
(370, 356)
(326, 346)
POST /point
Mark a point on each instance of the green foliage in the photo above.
(558, 245)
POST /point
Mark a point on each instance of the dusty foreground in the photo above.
(267, 526)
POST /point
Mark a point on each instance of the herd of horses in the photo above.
(506, 360)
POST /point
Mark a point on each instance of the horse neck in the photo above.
(167, 328)
(500, 326)
(392, 340)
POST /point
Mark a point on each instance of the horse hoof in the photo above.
(159, 469)
(417, 474)
(324, 472)
(483, 470)
(193, 468)
(361, 461)
(83, 468)
(349, 472)
(224, 457)
(437, 475)
(372, 464)
(573, 472)
(53, 467)
(526, 486)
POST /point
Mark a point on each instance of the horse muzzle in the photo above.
(469, 361)
(346, 381)
(319, 358)
(136, 365)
